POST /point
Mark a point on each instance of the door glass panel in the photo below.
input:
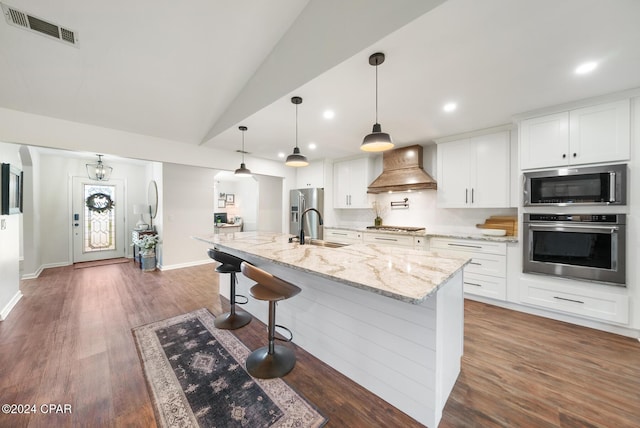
(99, 218)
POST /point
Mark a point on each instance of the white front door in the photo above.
(98, 219)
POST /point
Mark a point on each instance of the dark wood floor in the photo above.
(68, 341)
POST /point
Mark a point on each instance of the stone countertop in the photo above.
(403, 274)
(439, 233)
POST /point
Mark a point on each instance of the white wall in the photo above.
(271, 191)
(10, 226)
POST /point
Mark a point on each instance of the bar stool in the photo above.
(230, 264)
(273, 360)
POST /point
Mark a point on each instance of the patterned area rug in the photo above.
(196, 376)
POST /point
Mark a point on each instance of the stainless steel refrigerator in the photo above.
(299, 201)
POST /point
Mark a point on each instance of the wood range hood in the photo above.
(402, 171)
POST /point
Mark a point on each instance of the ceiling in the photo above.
(192, 72)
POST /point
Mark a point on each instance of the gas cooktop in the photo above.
(397, 228)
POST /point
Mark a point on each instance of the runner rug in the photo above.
(196, 378)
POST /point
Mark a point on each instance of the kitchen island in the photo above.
(391, 319)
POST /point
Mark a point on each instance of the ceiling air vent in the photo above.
(29, 22)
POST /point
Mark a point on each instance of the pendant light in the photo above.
(296, 159)
(99, 171)
(377, 141)
(243, 171)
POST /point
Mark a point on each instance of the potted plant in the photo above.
(147, 245)
(378, 211)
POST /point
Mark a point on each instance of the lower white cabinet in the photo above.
(389, 239)
(486, 274)
(577, 298)
(343, 236)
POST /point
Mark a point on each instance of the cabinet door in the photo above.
(600, 133)
(490, 185)
(544, 141)
(310, 176)
(341, 185)
(454, 174)
(359, 180)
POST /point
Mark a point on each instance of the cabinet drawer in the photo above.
(468, 245)
(604, 306)
(389, 239)
(487, 264)
(343, 236)
(484, 285)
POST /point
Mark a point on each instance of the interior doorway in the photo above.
(98, 225)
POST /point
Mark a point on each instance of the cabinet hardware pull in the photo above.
(568, 300)
(612, 187)
(472, 192)
(466, 196)
(339, 233)
(473, 283)
(475, 263)
(385, 239)
(575, 154)
(564, 156)
(464, 245)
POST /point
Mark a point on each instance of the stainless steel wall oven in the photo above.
(581, 246)
(599, 185)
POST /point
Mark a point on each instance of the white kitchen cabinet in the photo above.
(310, 176)
(592, 134)
(576, 298)
(350, 181)
(486, 274)
(343, 236)
(474, 172)
(406, 241)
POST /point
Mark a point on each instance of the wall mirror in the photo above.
(152, 198)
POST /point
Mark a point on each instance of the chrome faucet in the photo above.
(301, 235)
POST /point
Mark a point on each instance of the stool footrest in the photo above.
(289, 339)
(246, 299)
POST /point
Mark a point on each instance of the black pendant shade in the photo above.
(243, 171)
(296, 159)
(377, 141)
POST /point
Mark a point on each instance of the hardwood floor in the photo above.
(68, 341)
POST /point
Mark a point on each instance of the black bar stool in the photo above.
(273, 360)
(230, 264)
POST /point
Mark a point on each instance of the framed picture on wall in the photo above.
(222, 203)
(10, 189)
(230, 198)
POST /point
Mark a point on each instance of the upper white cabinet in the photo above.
(310, 176)
(474, 172)
(593, 134)
(350, 181)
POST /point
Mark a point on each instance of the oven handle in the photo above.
(612, 187)
(563, 227)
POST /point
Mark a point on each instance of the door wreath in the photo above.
(100, 202)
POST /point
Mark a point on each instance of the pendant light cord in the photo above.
(376, 91)
(296, 125)
(242, 146)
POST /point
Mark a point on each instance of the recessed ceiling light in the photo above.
(328, 114)
(449, 107)
(586, 67)
(312, 146)
(280, 155)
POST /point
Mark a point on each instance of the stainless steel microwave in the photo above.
(595, 185)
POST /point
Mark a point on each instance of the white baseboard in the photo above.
(9, 306)
(37, 273)
(185, 265)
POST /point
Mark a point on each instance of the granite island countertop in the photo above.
(401, 273)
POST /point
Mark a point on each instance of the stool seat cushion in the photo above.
(227, 269)
(268, 287)
(229, 262)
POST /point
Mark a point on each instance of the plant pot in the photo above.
(378, 221)
(148, 261)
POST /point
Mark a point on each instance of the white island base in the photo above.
(407, 354)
